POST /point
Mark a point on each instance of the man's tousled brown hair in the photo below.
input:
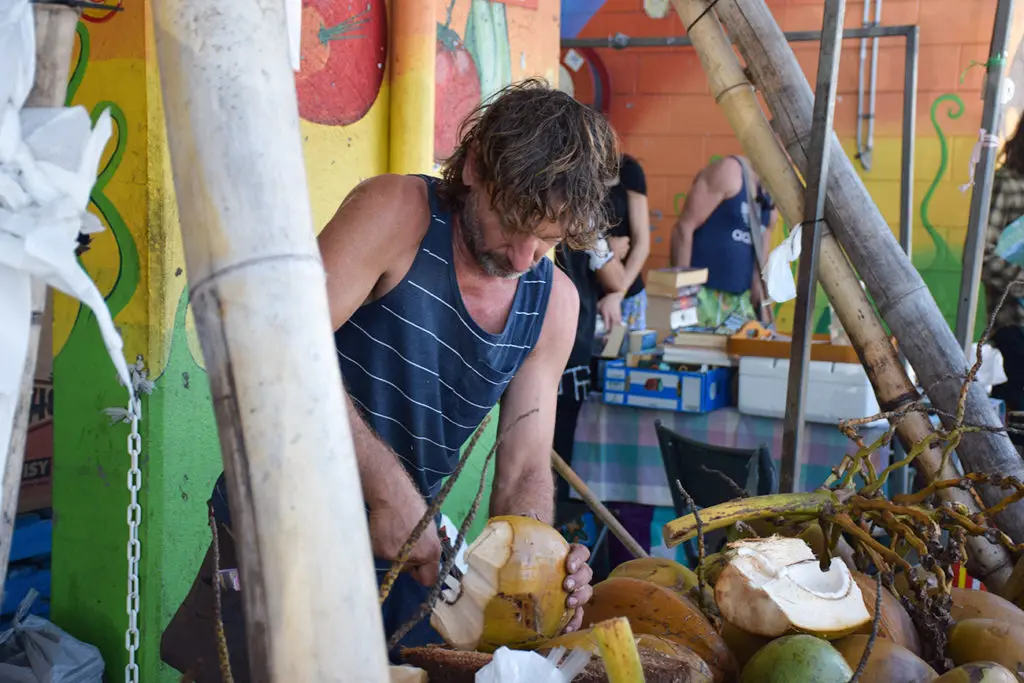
(543, 156)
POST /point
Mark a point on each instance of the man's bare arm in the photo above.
(357, 246)
(523, 482)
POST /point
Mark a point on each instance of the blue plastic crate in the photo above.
(687, 392)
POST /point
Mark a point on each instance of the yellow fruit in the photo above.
(887, 662)
(659, 611)
(987, 640)
(513, 590)
(618, 651)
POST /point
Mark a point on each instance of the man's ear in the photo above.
(469, 174)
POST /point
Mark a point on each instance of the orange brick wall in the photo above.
(661, 108)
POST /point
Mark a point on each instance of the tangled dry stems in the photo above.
(918, 524)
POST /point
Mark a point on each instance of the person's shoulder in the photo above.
(564, 296)
(725, 174)
(387, 205)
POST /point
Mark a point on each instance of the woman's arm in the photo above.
(640, 236)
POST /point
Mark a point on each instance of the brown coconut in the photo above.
(658, 611)
(971, 604)
(987, 640)
(894, 624)
(978, 672)
(742, 644)
(664, 572)
(513, 591)
(887, 662)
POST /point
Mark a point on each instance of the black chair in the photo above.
(713, 475)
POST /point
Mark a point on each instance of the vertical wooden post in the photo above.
(884, 369)
(55, 40)
(258, 294)
(902, 297)
(412, 54)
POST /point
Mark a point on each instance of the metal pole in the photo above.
(900, 481)
(814, 215)
(909, 131)
(621, 41)
(974, 244)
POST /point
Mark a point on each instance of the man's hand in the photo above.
(390, 528)
(619, 247)
(610, 309)
(578, 584)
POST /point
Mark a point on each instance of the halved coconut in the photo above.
(513, 590)
(771, 586)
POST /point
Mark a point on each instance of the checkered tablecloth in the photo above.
(616, 449)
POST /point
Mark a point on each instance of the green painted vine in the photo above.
(943, 254)
(127, 280)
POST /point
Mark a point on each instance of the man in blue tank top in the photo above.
(716, 230)
(444, 306)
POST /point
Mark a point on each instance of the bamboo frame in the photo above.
(888, 377)
(902, 297)
(55, 41)
(257, 290)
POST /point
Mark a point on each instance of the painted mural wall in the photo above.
(138, 263)
(658, 101)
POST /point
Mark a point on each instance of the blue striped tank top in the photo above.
(418, 367)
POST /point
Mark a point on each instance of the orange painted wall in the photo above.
(662, 110)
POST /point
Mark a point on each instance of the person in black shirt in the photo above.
(594, 272)
(629, 238)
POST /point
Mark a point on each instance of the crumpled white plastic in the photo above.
(525, 666)
(777, 274)
(48, 162)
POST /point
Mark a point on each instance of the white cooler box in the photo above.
(835, 391)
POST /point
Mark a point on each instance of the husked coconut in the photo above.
(512, 593)
(771, 586)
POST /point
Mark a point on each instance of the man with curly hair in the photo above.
(444, 306)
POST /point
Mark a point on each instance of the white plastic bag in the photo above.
(33, 650)
(777, 274)
(523, 666)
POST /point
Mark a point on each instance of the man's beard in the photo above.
(493, 262)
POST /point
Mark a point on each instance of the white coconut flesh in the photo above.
(461, 623)
(773, 585)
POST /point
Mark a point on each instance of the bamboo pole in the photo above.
(55, 40)
(412, 46)
(257, 290)
(881, 362)
(902, 297)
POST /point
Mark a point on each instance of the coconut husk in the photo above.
(445, 665)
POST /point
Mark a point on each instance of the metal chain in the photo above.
(131, 636)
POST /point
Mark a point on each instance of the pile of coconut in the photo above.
(769, 613)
